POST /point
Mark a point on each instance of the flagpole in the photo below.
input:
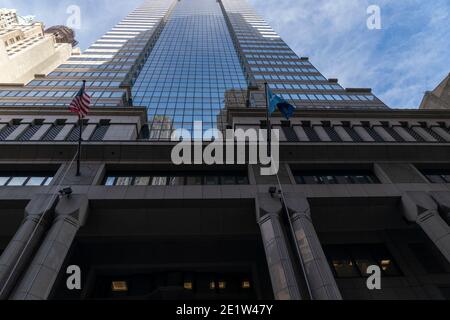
(282, 198)
(80, 137)
(269, 125)
(80, 121)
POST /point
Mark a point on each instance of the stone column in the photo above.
(420, 208)
(19, 252)
(281, 269)
(318, 272)
(37, 283)
(442, 198)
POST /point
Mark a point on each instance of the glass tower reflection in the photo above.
(191, 66)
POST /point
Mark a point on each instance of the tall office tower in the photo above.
(189, 70)
(179, 58)
(139, 226)
(207, 48)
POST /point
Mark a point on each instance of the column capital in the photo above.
(417, 203)
(443, 200)
(297, 204)
(41, 207)
(266, 204)
(74, 208)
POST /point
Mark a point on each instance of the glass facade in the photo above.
(28, 180)
(178, 59)
(265, 57)
(109, 65)
(192, 65)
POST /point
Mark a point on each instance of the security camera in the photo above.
(272, 191)
(66, 192)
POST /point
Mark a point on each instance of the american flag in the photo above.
(81, 102)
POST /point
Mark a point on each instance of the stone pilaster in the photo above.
(37, 283)
(319, 275)
(28, 237)
(419, 207)
(281, 269)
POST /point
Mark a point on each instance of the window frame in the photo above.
(302, 177)
(237, 177)
(376, 252)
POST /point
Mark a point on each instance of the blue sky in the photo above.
(409, 55)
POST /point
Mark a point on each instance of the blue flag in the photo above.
(276, 102)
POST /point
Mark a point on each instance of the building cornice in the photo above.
(347, 113)
(59, 111)
(151, 152)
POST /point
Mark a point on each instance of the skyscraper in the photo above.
(178, 58)
(191, 66)
(207, 48)
(359, 184)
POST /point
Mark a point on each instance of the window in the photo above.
(17, 181)
(430, 258)
(170, 179)
(30, 132)
(437, 176)
(123, 181)
(142, 181)
(335, 177)
(29, 180)
(352, 261)
(200, 284)
(194, 181)
(36, 181)
(110, 181)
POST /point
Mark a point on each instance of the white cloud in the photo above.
(410, 55)
(407, 57)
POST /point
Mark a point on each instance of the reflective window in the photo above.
(142, 181)
(123, 181)
(36, 181)
(30, 180)
(110, 181)
(212, 180)
(3, 180)
(192, 65)
(194, 181)
(437, 176)
(17, 181)
(159, 181)
(335, 177)
(170, 179)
